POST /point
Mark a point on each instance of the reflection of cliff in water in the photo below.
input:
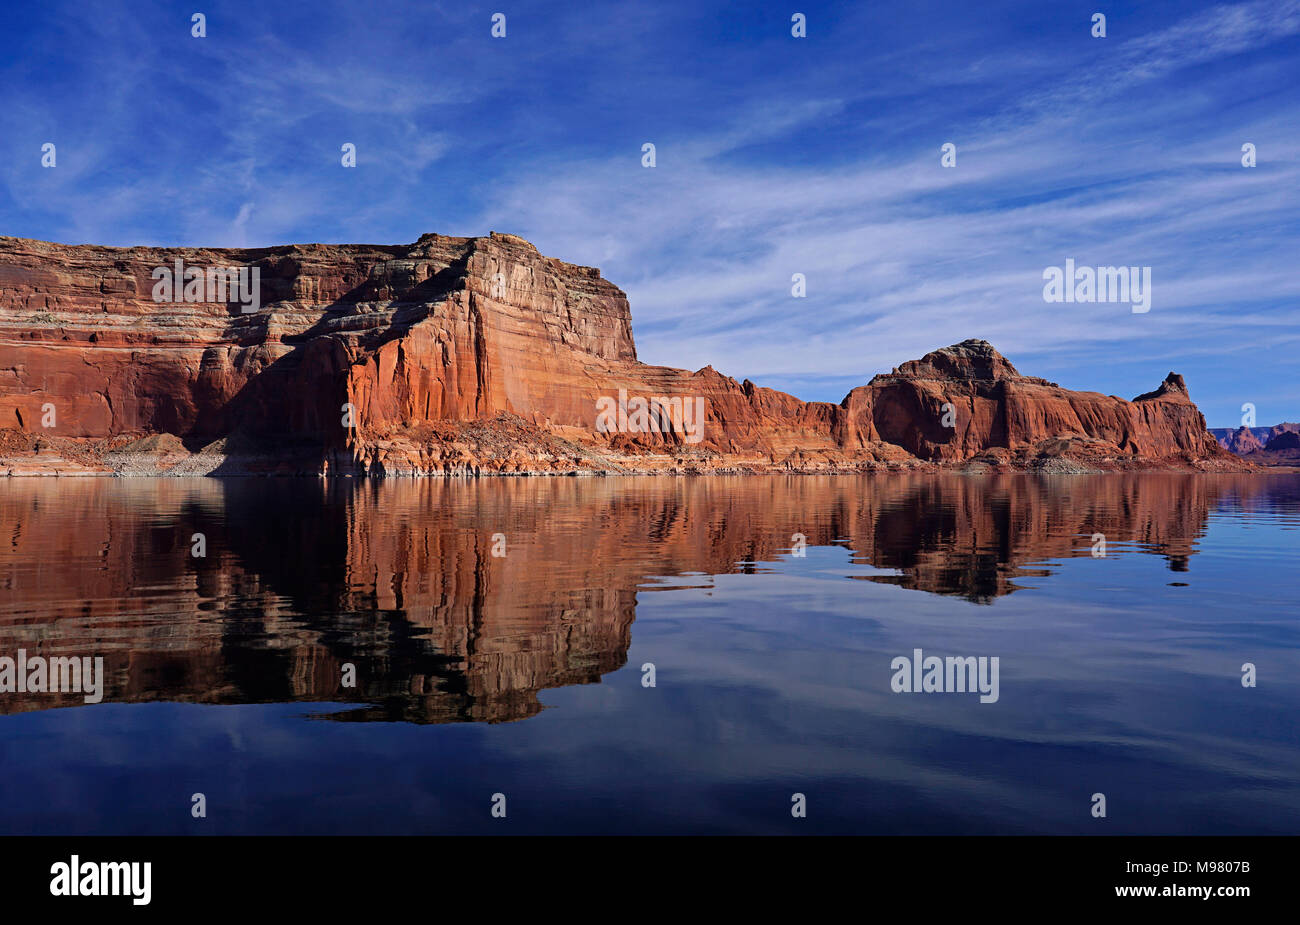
(398, 578)
(973, 537)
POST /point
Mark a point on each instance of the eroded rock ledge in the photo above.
(472, 356)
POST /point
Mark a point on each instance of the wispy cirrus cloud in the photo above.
(902, 255)
(775, 156)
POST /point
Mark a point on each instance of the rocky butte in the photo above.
(1278, 445)
(469, 356)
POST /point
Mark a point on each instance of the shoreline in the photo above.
(721, 471)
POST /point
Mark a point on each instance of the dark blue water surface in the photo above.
(521, 674)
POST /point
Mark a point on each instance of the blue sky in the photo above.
(775, 156)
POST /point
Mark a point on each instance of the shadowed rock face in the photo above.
(1282, 448)
(1278, 445)
(1241, 441)
(399, 579)
(471, 355)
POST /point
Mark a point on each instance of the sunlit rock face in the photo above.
(1278, 445)
(478, 355)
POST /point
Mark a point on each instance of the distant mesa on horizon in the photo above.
(1278, 445)
(474, 356)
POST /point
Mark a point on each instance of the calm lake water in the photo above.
(522, 674)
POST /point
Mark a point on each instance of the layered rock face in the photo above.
(1241, 441)
(1278, 445)
(1282, 448)
(446, 329)
(1000, 416)
(479, 355)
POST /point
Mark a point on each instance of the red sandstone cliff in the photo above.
(477, 355)
(1278, 445)
(1241, 441)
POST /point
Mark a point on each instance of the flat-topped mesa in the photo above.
(1278, 445)
(1247, 441)
(79, 326)
(457, 355)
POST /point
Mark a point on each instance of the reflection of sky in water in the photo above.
(771, 680)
